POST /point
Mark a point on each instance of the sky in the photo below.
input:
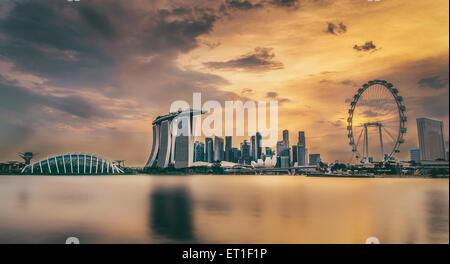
(91, 76)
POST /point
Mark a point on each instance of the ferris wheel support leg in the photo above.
(367, 144)
(381, 142)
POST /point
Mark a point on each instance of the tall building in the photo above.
(314, 159)
(256, 146)
(414, 154)
(245, 153)
(173, 144)
(209, 150)
(199, 151)
(235, 155)
(166, 140)
(431, 139)
(302, 154)
(283, 151)
(269, 152)
(301, 139)
(218, 149)
(252, 147)
(284, 161)
(286, 137)
(294, 154)
(228, 147)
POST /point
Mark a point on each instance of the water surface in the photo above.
(222, 209)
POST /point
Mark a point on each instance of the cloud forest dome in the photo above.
(73, 164)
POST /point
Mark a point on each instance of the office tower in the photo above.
(199, 151)
(280, 147)
(209, 152)
(245, 153)
(294, 154)
(431, 139)
(302, 154)
(269, 152)
(283, 149)
(414, 154)
(234, 155)
(228, 147)
(301, 139)
(314, 159)
(252, 148)
(218, 149)
(258, 147)
(239, 156)
(284, 162)
(286, 137)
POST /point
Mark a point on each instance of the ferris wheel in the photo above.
(376, 122)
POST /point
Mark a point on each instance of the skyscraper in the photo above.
(245, 153)
(414, 154)
(256, 146)
(301, 139)
(252, 147)
(314, 159)
(209, 152)
(173, 144)
(218, 149)
(286, 137)
(284, 161)
(302, 154)
(294, 154)
(199, 151)
(228, 148)
(431, 139)
(269, 152)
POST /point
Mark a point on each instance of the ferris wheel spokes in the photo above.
(377, 104)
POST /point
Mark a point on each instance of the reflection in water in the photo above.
(170, 215)
(222, 209)
(438, 218)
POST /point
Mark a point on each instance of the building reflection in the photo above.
(437, 216)
(171, 214)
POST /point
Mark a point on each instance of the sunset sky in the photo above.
(90, 76)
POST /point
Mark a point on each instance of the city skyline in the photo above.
(102, 92)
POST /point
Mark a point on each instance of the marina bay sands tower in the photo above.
(173, 140)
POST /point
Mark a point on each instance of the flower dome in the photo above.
(73, 164)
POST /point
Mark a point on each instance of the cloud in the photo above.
(368, 46)
(271, 95)
(22, 100)
(433, 106)
(434, 82)
(370, 113)
(261, 60)
(243, 5)
(246, 91)
(343, 82)
(274, 96)
(336, 29)
(212, 44)
(96, 37)
(247, 5)
(286, 3)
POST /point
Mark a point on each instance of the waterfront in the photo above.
(222, 209)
